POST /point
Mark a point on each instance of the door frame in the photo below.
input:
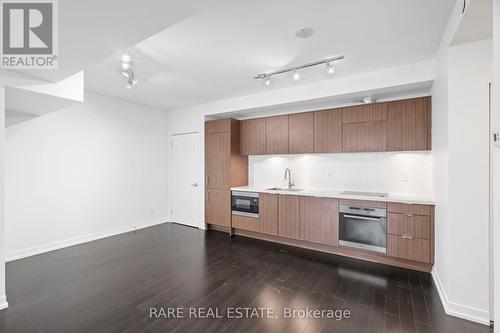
(171, 191)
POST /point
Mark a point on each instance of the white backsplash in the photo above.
(401, 173)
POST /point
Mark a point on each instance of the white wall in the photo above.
(3, 299)
(395, 173)
(461, 136)
(87, 171)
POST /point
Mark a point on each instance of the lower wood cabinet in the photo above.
(409, 225)
(244, 222)
(288, 216)
(268, 214)
(218, 207)
(319, 220)
(410, 248)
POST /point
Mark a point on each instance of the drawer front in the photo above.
(417, 226)
(401, 208)
(363, 203)
(244, 222)
(415, 249)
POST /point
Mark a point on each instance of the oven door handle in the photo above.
(362, 217)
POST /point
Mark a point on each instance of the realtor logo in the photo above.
(29, 34)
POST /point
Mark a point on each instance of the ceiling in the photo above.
(476, 24)
(92, 30)
(215, 53)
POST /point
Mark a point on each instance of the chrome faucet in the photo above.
(290, 184)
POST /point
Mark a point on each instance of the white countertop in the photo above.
(401, 198)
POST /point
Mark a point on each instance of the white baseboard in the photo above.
(3, 302)
(459, 310)
(19, 254)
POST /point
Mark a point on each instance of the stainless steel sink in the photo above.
(284, 189)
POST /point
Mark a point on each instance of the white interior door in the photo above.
(184, 176)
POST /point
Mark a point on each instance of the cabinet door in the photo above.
(328, 131)
(268, 214)
(288, 216)
(328, 221)
(409, 124)
(218, 207)
(409, 248)
(364, 137)
(319, 220)
(277, 135)
(253, 136)
(416, 125)
(308, 227)
(217, 154)
(218, 125)
(365, 113)
(301, 133)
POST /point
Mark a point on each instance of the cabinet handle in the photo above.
(409, 215)
(407, 237)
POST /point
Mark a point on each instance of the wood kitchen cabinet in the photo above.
(301, 133)
(217, 156)
(277, 135)
(328, 131)
(288, 216)
(364, 137)
(268, 214)
(319, 220)
(218, 207)
(409, 124)
(365, 113)
(253, 136)
(224, 168)
(410, 232)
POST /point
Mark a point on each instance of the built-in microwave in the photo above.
(363, 228)
(245, 203)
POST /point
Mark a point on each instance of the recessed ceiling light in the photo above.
(125, 58)
(296, 75)
(304, 33)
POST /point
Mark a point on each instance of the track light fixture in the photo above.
(329, 63)
(128, 71)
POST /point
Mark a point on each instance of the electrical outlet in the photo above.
(405, 177)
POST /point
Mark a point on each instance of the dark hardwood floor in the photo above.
(110, 285)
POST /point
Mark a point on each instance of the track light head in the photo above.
(330, 68)
(296, 75)
(267, 81)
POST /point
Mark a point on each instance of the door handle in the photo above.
(194, 184)
(407, 237)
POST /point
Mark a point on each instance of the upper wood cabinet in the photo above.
(268, 214)
(277, 135)
(218, 125)
(409, 124)
(301, 133)
(364, 113)
(253, 136)
(364, 137)
(403, 125)
(328, 131)
(319, 220)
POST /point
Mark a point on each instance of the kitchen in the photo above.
(380, 227)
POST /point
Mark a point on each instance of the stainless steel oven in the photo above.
(363, 227)
(245, 203)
